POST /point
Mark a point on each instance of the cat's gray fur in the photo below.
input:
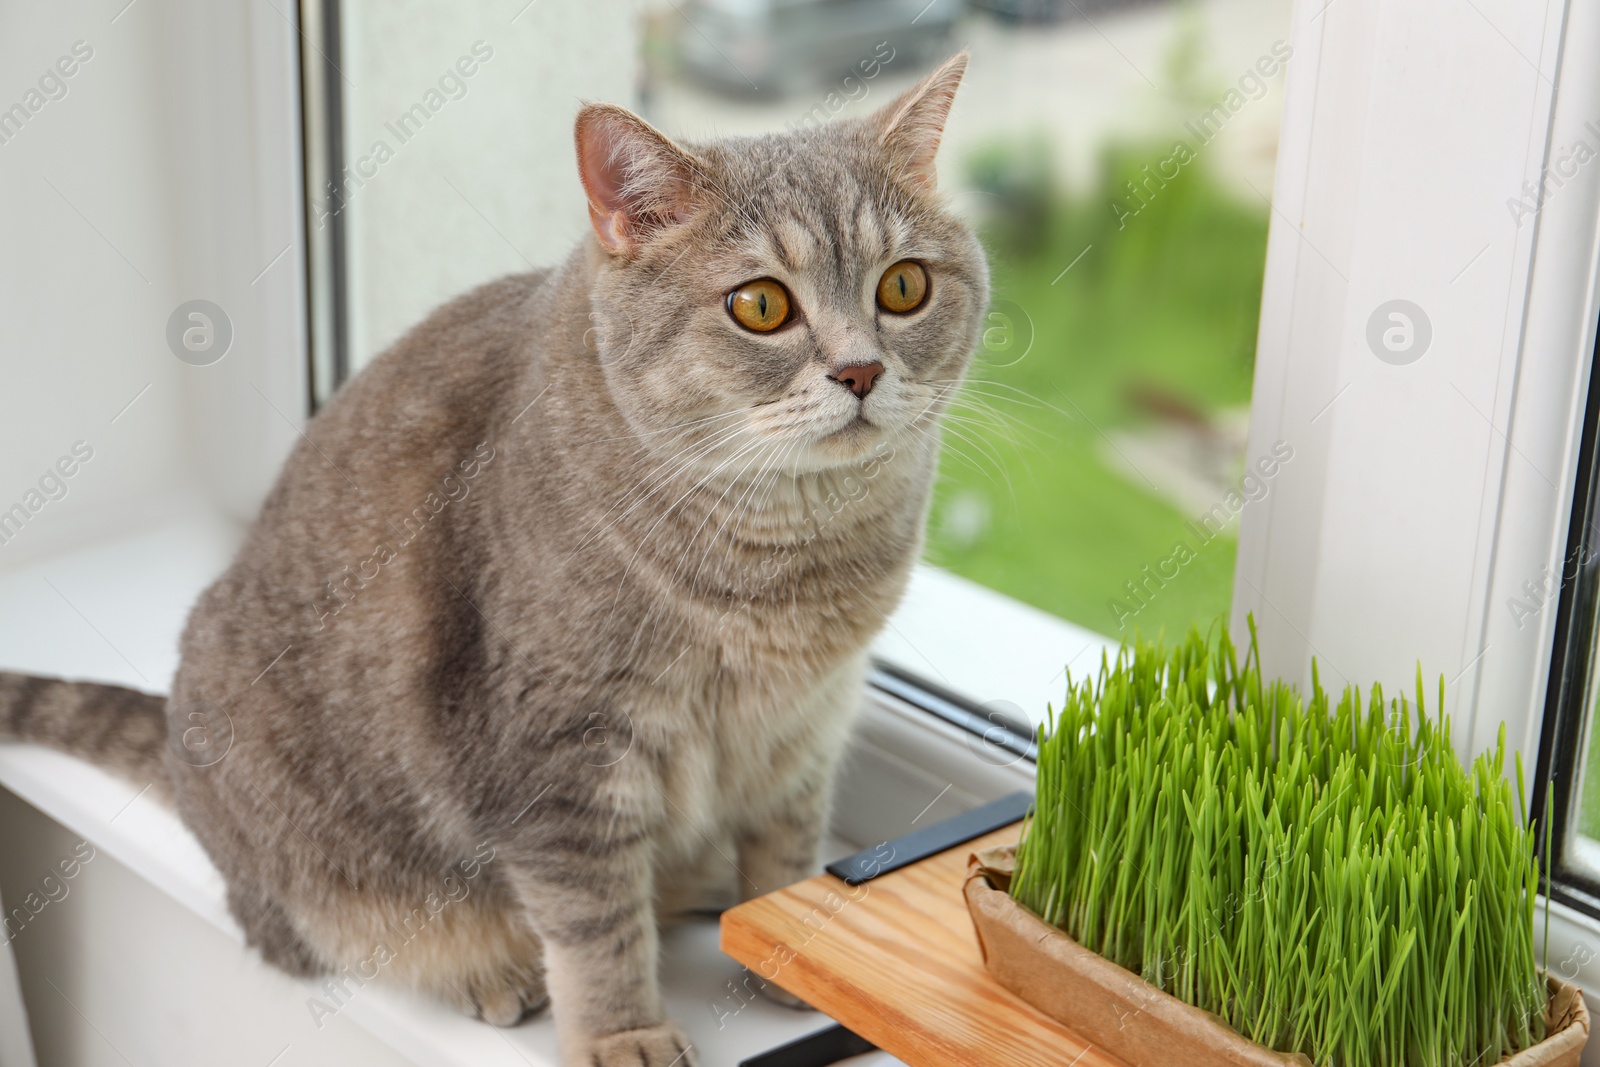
(572, 588)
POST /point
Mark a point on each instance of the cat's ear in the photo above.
(910, 126)
(638, 182)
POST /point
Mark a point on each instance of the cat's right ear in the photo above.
(911, 126)
(638, 182)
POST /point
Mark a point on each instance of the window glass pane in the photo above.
(1580, 758)
(1117, 157)
(1567, 776)
(1583, 844)
(459, 165)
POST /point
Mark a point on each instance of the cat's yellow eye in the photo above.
(761, 306)
(903, 287)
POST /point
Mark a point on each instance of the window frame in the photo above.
(1566, 725)
(1333, 565)
(326, 260)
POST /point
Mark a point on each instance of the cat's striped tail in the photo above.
(122, 730)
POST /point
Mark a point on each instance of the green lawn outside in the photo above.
(1171, 296)
(1589, 798)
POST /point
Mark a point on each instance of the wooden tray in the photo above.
(896, 960)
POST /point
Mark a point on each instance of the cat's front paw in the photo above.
(665, 1045)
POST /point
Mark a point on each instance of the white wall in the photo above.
(87, 275)
(161, 176)
(164, 169)
(193, 1000)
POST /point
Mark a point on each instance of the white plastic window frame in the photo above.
(1424, 494)
(1429, 154)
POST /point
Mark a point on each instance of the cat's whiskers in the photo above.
(979, 396)
(679, 464)
(795, 421)
(762, 490)
(644, 457)
(985, 449)
(655, 621)
(689, 450)
(928, 417)
(1020, 396)
(692, 446)
(983, 423)
(940, 395)
(684, 556)
(645, 540)
(667, 512)
(968, 408)
(694, 452)
(993, 461)
(741, 507)
(944, 447)
(979, 402)
(712, 510)
(656, 618)
(978, 410)
(736, 413)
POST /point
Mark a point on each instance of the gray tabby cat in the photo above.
(572, 589)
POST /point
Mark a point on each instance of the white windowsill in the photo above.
(150, 840)
(1000, 653)
(133, 593)
(113, 611)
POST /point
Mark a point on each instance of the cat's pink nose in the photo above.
(858, 378)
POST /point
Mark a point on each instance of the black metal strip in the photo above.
(814, 1050)
(994, 727)
(930, 840)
